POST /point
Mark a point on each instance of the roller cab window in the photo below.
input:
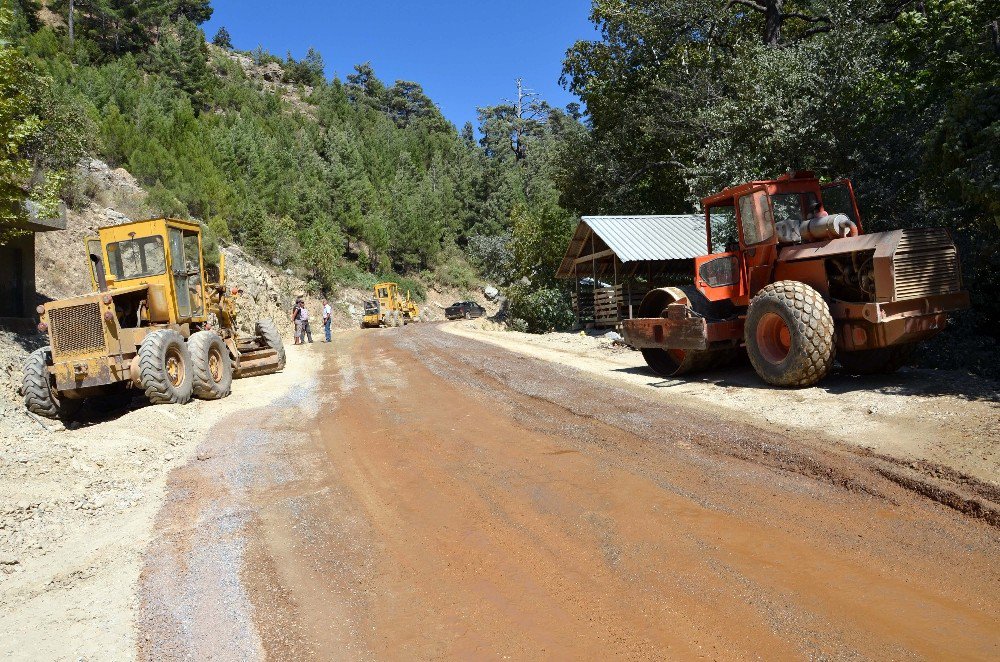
(756, 218)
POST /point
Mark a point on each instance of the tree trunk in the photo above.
(772, 21)
(71, 34)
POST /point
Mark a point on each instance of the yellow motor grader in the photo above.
(153, 321)
(389, 308)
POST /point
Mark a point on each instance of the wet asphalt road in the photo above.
(429, 496)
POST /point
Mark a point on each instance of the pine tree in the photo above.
(222, 39)
(196, 11)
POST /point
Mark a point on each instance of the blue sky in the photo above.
(464, 53)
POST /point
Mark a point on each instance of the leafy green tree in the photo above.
(22, 126)
(308, 71)
(509, 128)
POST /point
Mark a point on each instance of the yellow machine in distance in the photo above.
(389, 308)
(154, 321)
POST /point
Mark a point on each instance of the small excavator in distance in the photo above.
(153, 321)
(799, 284)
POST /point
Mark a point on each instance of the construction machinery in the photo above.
(389, 308)
(797, 284)
(154, 320)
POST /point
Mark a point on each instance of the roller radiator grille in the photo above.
(925, 263)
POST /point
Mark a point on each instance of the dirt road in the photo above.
(433, 496)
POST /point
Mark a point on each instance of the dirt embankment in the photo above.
(936, 422)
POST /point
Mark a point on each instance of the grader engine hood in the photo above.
(80, 335)
(86, 332)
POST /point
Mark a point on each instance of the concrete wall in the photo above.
(17, 283)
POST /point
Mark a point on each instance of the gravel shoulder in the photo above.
(937, 420)
(77, 509)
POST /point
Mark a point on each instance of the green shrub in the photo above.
(541, 310)
(350, 275)
(454, 271)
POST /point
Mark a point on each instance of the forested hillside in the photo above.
(347, 180)
(344, 181)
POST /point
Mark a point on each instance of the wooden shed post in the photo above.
(628, 288)
(593, 265)
(618, 309)
(576, 301)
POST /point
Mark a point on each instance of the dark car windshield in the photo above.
(456, 304)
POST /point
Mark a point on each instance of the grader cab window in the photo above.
(141, 257)
(185, 267)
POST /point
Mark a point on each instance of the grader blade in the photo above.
(259, 362)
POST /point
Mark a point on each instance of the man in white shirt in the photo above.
(327, 318)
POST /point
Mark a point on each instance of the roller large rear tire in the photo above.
(789, 334)
(212, 367)
(165, 368)
(39, 396)
(268, 336)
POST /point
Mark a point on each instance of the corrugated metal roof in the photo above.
(667, 237)
(639, 238)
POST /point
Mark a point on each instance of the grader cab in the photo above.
(795, 282)
(154, 321)
(389, 308)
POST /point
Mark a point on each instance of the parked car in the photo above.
(464, 309)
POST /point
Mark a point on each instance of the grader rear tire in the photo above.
(268, 336)
(789, 334)
(882, 361)
(212, 367)
(39, 396)
(165, 368)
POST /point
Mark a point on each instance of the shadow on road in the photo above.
(908, 381)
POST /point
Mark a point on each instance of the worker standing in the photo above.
(327, 319)
(297, 319)
(304, 316)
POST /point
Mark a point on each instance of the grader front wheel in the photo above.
(39, 396)
(165, 368)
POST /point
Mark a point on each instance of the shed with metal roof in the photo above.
(634, 254)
